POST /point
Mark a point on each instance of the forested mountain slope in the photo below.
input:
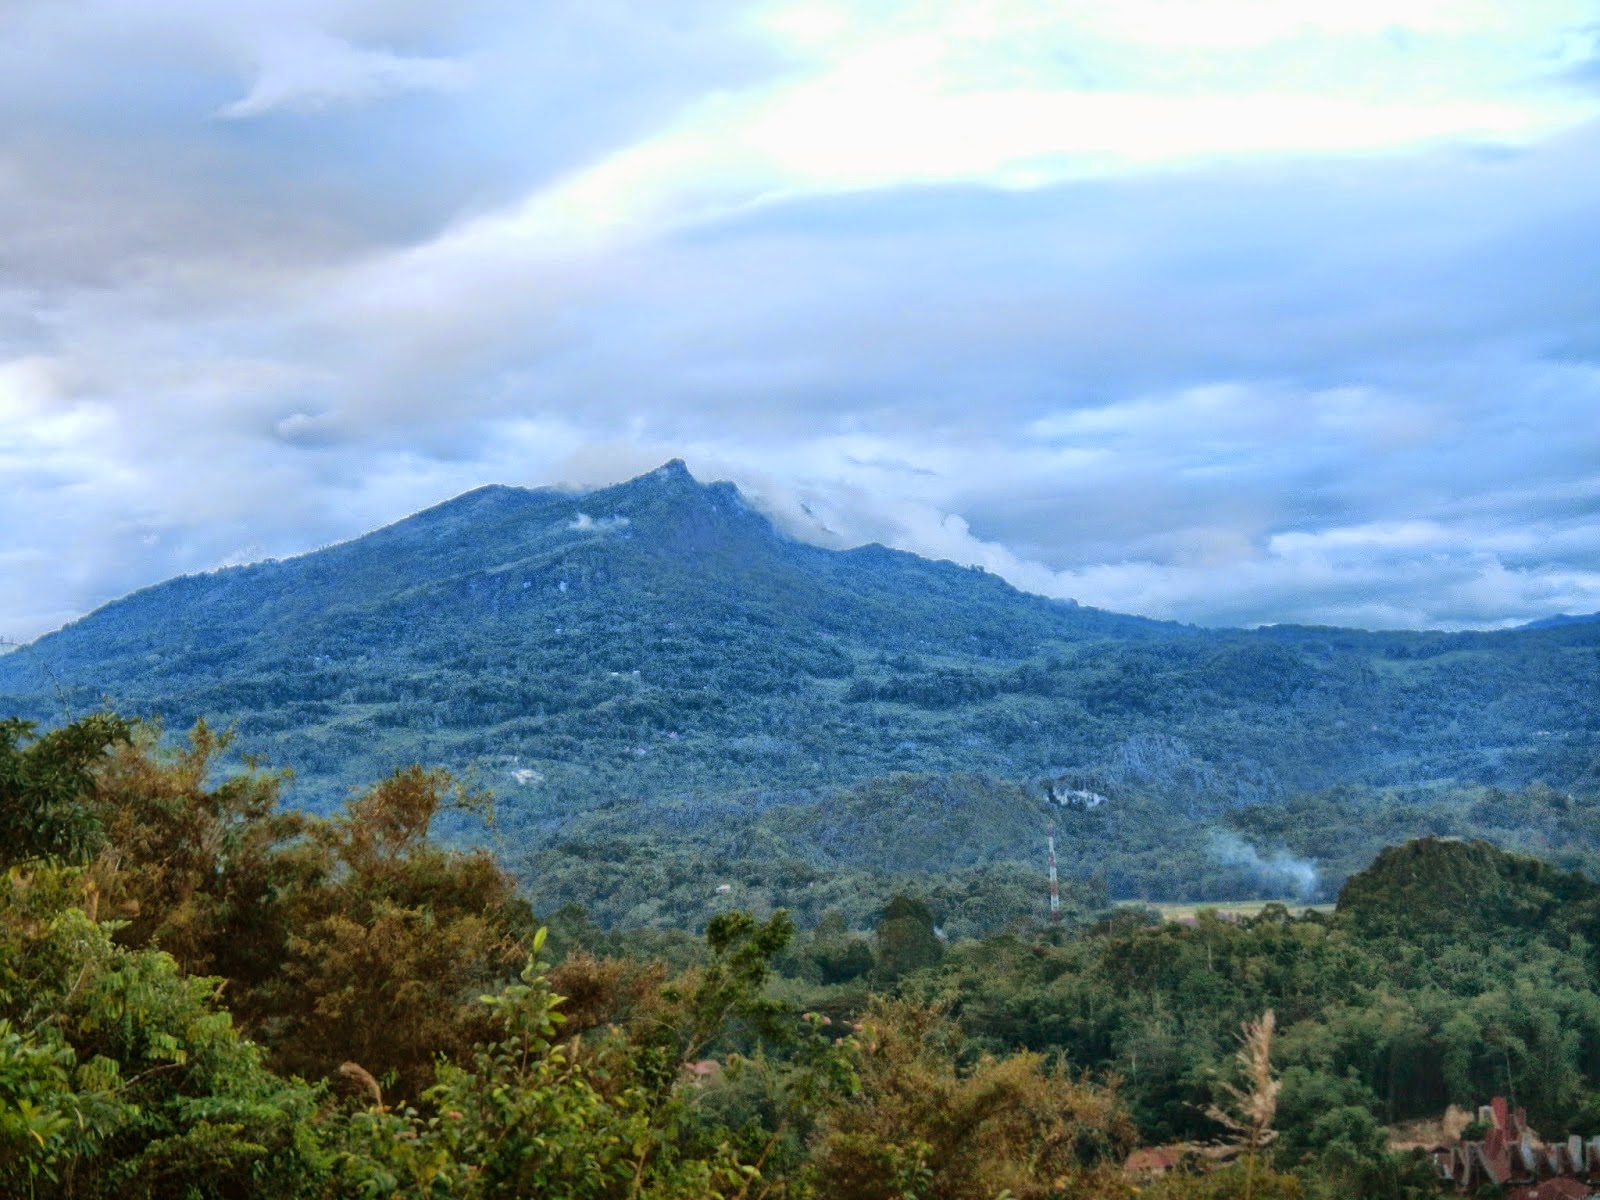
(662, 639)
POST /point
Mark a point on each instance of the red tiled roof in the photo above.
(1152, 1160)
(1494, 1159)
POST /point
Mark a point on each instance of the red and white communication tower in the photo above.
(1055, 888)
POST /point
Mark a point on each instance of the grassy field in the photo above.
(1186, 910)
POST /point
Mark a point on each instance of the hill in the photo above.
(1447, 890)
(661, 640)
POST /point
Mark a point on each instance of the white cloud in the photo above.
(1028, 92)
(932, 94)
(1020, 284)
(309, 70)
(1415, 575)
(27, 386)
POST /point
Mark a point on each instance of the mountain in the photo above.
(661, 639)
(1562, 619)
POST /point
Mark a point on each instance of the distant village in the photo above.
(1500, 1151)
(1495, 1154)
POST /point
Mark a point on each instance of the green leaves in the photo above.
(45, 786)
(525, 1115)
(126, 1078)
(36, 1111)
(1452, 972)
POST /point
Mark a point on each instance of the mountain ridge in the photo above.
(662, 636)
(1561, 619)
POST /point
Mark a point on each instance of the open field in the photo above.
(1187, 910)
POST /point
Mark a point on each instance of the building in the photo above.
(1513, 1157)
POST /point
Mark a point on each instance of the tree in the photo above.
(354, 937)
(120, 1077)
(46, 785)
(906, 938)
(925, 1125)
(609, 1116)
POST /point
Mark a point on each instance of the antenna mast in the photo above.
(1055, 888)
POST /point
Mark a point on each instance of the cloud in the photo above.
(312, 71)
(1298, 324)
(308, 429)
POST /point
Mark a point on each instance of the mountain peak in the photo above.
(660, 637)
(671, 474)
(688, 516)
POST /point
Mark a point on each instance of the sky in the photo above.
(1228, 311)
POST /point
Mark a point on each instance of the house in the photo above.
(1511, 1156)
(1153, 1162)
(702, 1071)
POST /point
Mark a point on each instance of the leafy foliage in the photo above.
(43, 781)
(120, 1076)
(405, 980)
(926, 1125)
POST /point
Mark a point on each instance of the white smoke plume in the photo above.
(1277, 869)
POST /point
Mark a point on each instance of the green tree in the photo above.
(120, 1077)
(613, 1116)
(46, 785)
(906, 939)
(926, 1124)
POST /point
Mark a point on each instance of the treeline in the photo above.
(972, 846)
(1451, 971)
(204, 994)
(680, 705)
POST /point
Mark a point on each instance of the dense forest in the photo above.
(974, 847)
(204, 993)
(663, 640)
